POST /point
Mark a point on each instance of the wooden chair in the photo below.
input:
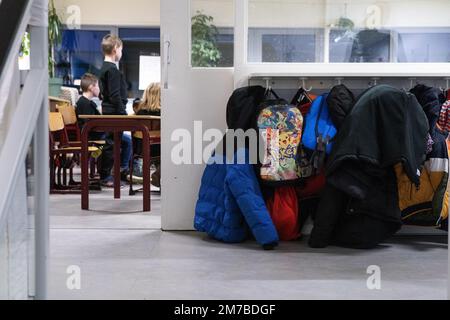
(53, 101)
(70, 120)
(73, 131)
(64, 155)
(155, 139)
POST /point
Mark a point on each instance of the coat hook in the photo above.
(339, 80)
(268, 86)
(446, 85)
(411, 84)
(374, 82)
(304, 85)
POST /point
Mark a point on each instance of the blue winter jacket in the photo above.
(230, 203)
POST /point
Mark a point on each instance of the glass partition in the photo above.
(80, 52)
(424, 45)
(212, 33)
(348, 31)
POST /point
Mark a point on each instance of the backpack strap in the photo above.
(274, 94)
(318, 156)
(270, 92)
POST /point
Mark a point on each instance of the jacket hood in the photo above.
(431, 100)
(242, 107)
(383, 113)
(340, 103)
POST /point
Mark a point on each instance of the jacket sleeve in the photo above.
(244, 186)
(114, 83)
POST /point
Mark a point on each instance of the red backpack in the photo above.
(283, 209)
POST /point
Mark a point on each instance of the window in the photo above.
(285, 31)
(212, 33)
(285, 45)
(367, 45)
(348, 31)
(80, 52)
(138, 42)
(426, 45)
(225, 44)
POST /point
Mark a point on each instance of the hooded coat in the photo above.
(427, 205)
(340, 103)
(230, 205)
(359, 207)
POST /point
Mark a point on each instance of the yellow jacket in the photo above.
(427, 204)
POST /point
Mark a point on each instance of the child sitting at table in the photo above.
(85, 106)
(150, 105)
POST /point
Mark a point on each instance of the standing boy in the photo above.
(114, 96)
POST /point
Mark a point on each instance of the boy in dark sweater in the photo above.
(114, 97)
(85, 105)
(112, 81)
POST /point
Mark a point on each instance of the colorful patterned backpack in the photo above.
(280, 125)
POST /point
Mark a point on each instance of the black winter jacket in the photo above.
(385, 127)
(243, 106)
(340, 103)
(241, 114)
(360, 206)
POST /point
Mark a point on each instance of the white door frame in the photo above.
(188, 95)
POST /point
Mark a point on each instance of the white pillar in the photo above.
(39, 60)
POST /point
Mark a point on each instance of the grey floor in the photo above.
(127, 256)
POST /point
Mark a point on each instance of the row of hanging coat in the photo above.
(388, 166)
(360, 167)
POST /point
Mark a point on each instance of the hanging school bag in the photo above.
(280, 125)
(318, 134)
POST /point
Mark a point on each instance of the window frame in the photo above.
(189, 13)
(243, 68)
(318, 33)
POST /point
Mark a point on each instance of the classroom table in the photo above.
(149, 126)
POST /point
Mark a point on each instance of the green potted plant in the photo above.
(24, 53)
(204, 41)
(54, 40)
(25, 46)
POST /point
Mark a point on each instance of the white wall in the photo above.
(268, 13)
(114, 12)
(399, 13)
(286, 14)
(221, 10)
(321, 13)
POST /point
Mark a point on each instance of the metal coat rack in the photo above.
(319, 83)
